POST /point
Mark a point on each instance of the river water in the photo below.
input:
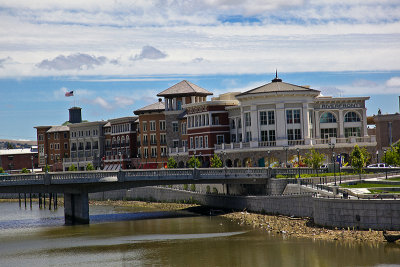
(144, 237)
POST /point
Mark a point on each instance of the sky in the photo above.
(117, 55)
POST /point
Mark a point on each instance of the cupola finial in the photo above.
(276, 77)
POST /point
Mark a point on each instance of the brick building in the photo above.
(120, 143)
(387, 130)
(14, 160)
(152, 136)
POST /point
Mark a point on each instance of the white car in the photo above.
(379, 165)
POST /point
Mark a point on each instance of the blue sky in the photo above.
(117, 56)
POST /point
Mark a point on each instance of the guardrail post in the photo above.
(121, 176)
(196, 174)
(47, 179)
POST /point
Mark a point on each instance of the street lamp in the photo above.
(334, 169)
(120, 160)
(384, 151)
(200, 158)
(32, 163)
(340, 171)
(177, 159)
(45, 157)
(298, 160)
(377, 156)
(286, 148)
(269, 157)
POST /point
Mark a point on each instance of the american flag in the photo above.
(70, 93)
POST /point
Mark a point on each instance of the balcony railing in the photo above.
(296, 142)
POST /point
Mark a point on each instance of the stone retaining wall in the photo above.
(362, 214)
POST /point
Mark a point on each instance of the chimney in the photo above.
(75, 115)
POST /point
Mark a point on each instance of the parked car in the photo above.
(324, 166)
(379, 165)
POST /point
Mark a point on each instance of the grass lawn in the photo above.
(367, 185)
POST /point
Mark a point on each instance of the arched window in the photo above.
(113, 140)
(351, 117)
(327, 117)
(127, 139)
(118, 140)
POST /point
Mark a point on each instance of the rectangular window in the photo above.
(175, 127)
(240, 139)
(162, 125)
(40, 137)
(153, 152)
(328, 132)
(183, 127)
(240, 123)
(290, 134)
(163, 139)
(51, 146)
(206, 141)
(271, 117)
(264, 136)
(248, 136)
(294, 134)
(220, 139)
(152, 126)
(247, 119)
(201, 142)
(153, 140)
(145, 140)
(176, 143)
(233, 138)
(292, 116)
(146, 152)
(352, 131)
(144, 126)
(191, 142)
(263, 118)
(233, 124)
(65, 145)
(163, 151)
(271, 135)
(196, 142)
(289, 116)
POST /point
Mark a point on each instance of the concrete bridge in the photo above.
(76, 185)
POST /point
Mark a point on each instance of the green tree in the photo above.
(359, 157)
(392, 155)
(46, 168)
(25, 170)
(314, 159)
(216, 162)
(72, 168)
(193, 188)
(1, 170)
(10, 145)
(89, 167)
(194, 162)
(171, 164)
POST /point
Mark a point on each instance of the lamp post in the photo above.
(32, 163)
(298, 160)
(377, 156)
(332, 147)
(120, 160)
(146, 160)
(269, 157)
(340, 171)
(177, 159)
(384, 151)
(201, 160)
(286, 148)
(45, 158)
(194, 154)
(334, 169)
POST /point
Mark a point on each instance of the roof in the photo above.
(58, 129)
(158, 106)
(18, 151)
(277, 86)
(184, 88)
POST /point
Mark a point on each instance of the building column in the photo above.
(341, 124)
(254, 124)
(306, 124)
(209, 119)
(364, 122)
(243, 125)
(317, 130)
(280, 120)
(193, 98)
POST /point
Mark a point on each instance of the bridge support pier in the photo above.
(76, 208)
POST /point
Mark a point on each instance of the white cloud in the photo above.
(393, 82)
(149, 52)
(123, 101)
(75, 61)
(102, 103)
(75, 39)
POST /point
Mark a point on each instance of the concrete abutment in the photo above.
(76, 208)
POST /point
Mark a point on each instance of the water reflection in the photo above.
(129, 237)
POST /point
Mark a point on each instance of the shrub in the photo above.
(89, 167)
(72, 168)
(215, 190)
(185, 187)
(25, 170)
(193, 188)
(208, 189)
(216, 162)
(171, 164)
